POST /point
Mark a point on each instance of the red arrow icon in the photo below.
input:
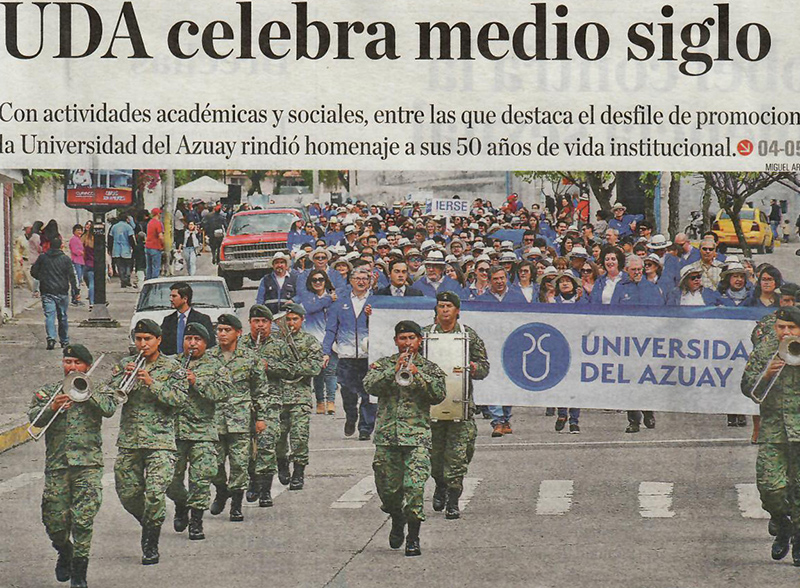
(745, 147)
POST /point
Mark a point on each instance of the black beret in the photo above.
(79, 352)
(260, 311)
(147, 326)
(295, 308)
(450, 297)
(231, 320)
(407, 327)
(789, 313)
(198, 330)
(789, 289)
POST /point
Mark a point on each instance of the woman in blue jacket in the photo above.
(317, 297)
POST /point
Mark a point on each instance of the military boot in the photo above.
(196, 525)
(796, 549)
(439, 496)
(252, 490)
(150, 536)
(283, 471)
(219, 500)
(398, 533)
(298, 479)
(265, 496)
(79, 565)
(64, 563)
(780, 546)
(236, 506)
(412, 539)
(181, 519)
(451, 508)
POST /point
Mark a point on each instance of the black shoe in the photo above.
(733, 421)
(650, 422)
(574, 428)
(451, 508)
(79, 566)
(265, 494)
(236, 506)
(741, 420)
(283, 471)
(252, 490)
(560, 423)
(772, 527)
(220, 500)
(297, 480)
(51, 344)
(349, 428)
(439, 497)
(181, 520)
(412, 539)
(64, 344)
(632, 428)
(196, 525)
(150, 536)
(398, 533)
(64, 563)
(363, 436)
(780, 546)
(796, 550)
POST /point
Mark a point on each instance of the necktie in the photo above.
(398, 292)
(181, 328)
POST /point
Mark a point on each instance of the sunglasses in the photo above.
(483, 271)
(317, 279)
(697, 277)
(586, 271)
(708, 249)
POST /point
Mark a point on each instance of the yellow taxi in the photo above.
(755, 227)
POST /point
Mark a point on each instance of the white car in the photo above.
(209, 295)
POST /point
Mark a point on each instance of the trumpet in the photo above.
(129, 381)
(181, 372)
(789, 352)
(258, 340)
(78, 387)
(403, 377)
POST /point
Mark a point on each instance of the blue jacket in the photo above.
(755, 300)
(596, 297)
(581, 300)
(296, 239)
(273, 297)
(728, 301)
(448, 285)
(643, 293)
(317, 309)
(512, 297)
(333, 237)
(671, 273)
(346, 330)
(534, 296)
(624, 225)
(710, 297)
(694, 255)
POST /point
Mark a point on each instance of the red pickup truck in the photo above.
(252, 239)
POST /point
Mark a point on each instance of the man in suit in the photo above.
(277, 286)
(398, 281)
(174, 325)
(435, 280)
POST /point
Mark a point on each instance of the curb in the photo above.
(13, 434)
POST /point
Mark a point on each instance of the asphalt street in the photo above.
(673, 506)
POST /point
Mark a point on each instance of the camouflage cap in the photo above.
(231, 320)
(197, 330)
(407, 327)
(450, 297)
(260, 311)
(78, 351)
(789, 313)
(295, 308)
(148, 327)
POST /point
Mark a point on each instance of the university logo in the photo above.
(536, 356)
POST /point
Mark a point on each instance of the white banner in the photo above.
(449, 207)
(675, 361)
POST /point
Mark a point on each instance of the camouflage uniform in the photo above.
(146, 441)
(234, 416)
(778, 461)
(196, 433)
(764, 329)
(247, 342)
(268, 410)
(402, 462)
(453, 442)
(293, 379)
(73, 469)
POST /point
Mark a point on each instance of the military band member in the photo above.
(260, 321)
(403, 432)
(249, 381)
(73, 467)
(146, 459)
(777, 471)
(453, 442)
(196, 431)
(294, 373)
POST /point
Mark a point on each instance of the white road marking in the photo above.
(358, 495)
(470, 484)
(108, 479)
(19, 481)
(750, 502)
(555, 497)
(655, 500)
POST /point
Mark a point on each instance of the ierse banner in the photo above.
(449, 207)
(675, 360)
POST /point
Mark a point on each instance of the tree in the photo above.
(34, 179)
(733, 190)
(674, 204)
(601, 184)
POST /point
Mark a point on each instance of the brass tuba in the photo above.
(789, 352)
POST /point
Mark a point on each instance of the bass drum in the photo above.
(450, 351)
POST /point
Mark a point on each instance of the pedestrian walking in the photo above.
(56, 275)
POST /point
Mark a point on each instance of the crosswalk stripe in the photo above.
(19, 481)
(358, 495)
(555, 497)
(750, 502)
(655, 500)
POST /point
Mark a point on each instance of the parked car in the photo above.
(755, 226)
(209, 295)
(253, 237)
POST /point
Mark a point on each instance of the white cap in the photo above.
(434, 258)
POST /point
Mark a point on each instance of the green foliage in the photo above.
(34, 179)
